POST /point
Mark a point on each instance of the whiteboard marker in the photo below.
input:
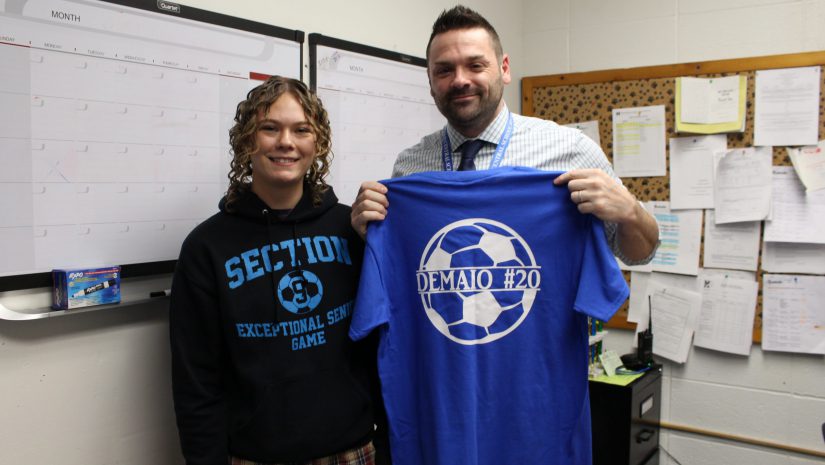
(95, 288)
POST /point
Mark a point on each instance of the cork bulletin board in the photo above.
(578, 97)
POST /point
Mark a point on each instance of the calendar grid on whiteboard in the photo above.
(114, 122)
(378, 102)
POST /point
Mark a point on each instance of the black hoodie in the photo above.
(262, 367)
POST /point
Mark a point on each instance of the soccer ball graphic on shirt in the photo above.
(300, 291)
(478, 280)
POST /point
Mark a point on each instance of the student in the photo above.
(262, 369)
(468, 70)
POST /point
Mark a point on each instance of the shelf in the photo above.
(47, 312)
(33, 304)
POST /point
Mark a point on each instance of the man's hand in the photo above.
(594, 191)
(370, 205)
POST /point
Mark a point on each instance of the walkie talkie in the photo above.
(644, 343)
(643, 358)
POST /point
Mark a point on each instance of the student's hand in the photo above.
(370, 205)
(594, 191)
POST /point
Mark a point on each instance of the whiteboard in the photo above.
(378, 102)
(114, 126)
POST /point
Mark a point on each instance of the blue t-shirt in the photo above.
(480, 284)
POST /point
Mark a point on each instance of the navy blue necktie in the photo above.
(469, 149)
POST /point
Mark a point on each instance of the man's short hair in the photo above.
(461, 17)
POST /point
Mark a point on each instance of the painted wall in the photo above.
(771, 396)
(92, 388)
(561, 36)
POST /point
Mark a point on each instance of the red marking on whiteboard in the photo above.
(259, 76)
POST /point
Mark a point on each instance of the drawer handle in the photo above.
(644, 435)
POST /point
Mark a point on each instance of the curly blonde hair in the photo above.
(242, 136)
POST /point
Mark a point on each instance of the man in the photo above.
(468, 70)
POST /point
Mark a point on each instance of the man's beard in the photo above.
(467, 115)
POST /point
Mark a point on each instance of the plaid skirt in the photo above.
(364, 455)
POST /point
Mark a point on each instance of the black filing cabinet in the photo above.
(625, 420)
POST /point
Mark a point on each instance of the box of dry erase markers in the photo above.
(84, 287)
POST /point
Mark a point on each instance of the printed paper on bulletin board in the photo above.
(573, 98)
